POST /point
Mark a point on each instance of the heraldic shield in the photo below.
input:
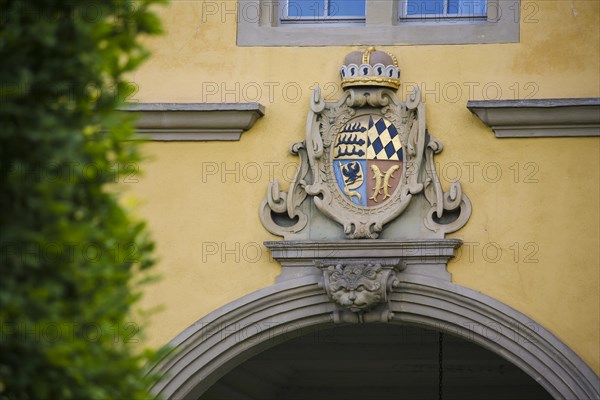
(365, 157)
(367, 160)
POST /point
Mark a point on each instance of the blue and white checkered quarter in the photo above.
(383, 141)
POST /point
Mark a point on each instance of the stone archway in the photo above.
(217, 343)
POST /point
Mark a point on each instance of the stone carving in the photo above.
(287, 204)
(364, 158)
(359, 287)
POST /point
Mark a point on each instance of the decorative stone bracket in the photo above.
(359, 286)
(359, 276)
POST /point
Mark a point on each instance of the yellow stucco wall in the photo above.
(543, 211)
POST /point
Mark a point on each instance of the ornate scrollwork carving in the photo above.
(453, 201)
(286, 206)
(364, 158)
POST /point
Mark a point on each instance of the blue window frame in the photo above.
(443, 9)
(311, 10)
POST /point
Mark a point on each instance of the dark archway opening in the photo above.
(376, 361)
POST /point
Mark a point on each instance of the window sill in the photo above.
(406, 33)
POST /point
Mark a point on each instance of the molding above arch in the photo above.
(217, 343)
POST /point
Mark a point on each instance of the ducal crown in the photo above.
(370, 68)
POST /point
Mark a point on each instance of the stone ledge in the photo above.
(423, 257)
(194, 121)
(539, 118)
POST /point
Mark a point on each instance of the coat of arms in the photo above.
(364, 158)
(367, 155)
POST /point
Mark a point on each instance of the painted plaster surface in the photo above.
(532, 240)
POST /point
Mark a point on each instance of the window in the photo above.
(323, 10)
(443, 9)
(376, 22)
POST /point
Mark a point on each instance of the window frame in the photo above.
(287, 19)
(404, 16)
(259, 25)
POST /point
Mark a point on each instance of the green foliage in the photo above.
(69, 253)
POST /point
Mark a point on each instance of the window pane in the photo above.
(306, 8)
(467, 8)
(420, 7)
(347, 8)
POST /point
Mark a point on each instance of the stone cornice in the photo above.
(376, 248)
(194, 121)
(424, 257)
(539, 118)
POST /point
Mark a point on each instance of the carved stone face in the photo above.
(356, 300)
(357, 287)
